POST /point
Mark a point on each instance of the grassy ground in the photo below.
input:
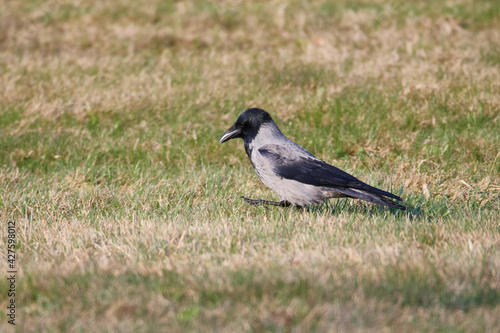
(127, 208)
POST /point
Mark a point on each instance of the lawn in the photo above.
(127, 209)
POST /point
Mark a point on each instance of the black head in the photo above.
(247, 125)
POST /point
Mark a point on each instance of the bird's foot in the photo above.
(260, 202)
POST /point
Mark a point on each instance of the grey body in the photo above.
(271, 139)
(291, 171)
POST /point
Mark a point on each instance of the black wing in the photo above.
(308, 170)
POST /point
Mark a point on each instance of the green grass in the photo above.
(127, 207)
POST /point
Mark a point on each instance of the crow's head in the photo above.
(247, 125)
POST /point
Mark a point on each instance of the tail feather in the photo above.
(370, 197)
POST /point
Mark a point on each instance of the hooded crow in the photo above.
(294, 173)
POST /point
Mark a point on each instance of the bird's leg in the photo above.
(259, 202)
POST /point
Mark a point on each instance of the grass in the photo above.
(127, 208)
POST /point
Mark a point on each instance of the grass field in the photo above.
(127, 209)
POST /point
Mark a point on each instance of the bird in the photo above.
(296, 175)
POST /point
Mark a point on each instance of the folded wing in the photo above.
(293, 164)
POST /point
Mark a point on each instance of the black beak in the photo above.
(231, 133)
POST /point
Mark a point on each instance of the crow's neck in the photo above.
(268, 133)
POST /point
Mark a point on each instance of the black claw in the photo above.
(260, 202)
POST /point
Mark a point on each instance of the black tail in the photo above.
(375, 198)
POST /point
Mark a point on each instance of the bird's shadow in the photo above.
(351, 207)
(337, 206)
